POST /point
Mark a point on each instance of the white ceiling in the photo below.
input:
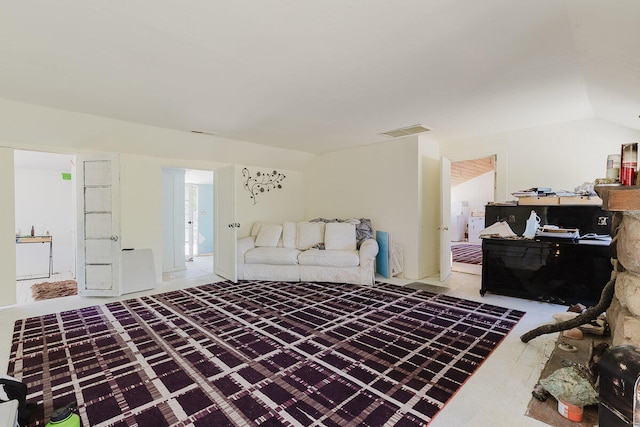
(319, 76)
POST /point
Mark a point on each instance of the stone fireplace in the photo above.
(623, 314)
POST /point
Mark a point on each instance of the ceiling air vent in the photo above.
(409, 130)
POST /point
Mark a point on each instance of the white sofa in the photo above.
(307, 251)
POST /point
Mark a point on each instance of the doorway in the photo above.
(188, 233)
(45, 225)
(472, 187)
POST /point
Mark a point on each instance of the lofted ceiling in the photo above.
(320, 76)
(466, 170)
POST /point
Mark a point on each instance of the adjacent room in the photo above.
(187, 223)
(472, 188)
(317, 213)
(45, 215)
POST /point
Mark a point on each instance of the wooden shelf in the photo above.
(36, 239)
(619, 198)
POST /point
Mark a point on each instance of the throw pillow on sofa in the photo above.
(255, 229)
(364, 229)
(310, 234)
(340, 236)
(289, 234)
(269, 235)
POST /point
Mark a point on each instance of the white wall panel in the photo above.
(98, 251)
(97, 199)
(98, 226)
(98, 277)
(7, 229)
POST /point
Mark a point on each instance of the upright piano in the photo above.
(558, 270)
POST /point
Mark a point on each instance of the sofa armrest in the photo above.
(244, 244)
(368, 251)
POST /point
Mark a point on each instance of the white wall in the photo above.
(276, 205)
(7, 229)
(382, 182)
(44, 200)
(477, 192)
(144, 150)
(561, 156)
(428, 232)
(38, 128)
(141, 201)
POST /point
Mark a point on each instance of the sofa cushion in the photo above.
(289, 234)
(269, 235)
(255, 228)
(364, 229)
(329, 258)
(340, 236)
(272, 256)
(309, 235)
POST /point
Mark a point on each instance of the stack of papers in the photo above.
(534, 192)
(498, 229)
(554, 231)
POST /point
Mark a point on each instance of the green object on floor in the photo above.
(570, 386)
(65, 417)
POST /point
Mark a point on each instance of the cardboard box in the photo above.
(581, 200)
(538, 201)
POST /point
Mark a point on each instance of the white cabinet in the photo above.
(476, 225)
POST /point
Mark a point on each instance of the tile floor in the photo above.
(198, 266)
(23, 287)
(497, 395)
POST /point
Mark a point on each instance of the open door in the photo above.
(99, 257)
(226, 227)
(445, 218)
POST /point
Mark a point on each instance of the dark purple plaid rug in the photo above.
(468, 254)
(258, 353)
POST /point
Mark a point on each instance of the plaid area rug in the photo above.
(258, 353)
(467, 254)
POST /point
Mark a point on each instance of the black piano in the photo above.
(558, 270)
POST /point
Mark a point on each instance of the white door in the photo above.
(445, 218)
(173, 220)
(190, 226)
(226, 227)
(99, 257)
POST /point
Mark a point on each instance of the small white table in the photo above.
(39, 239)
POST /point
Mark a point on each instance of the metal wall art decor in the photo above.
(261, 182)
